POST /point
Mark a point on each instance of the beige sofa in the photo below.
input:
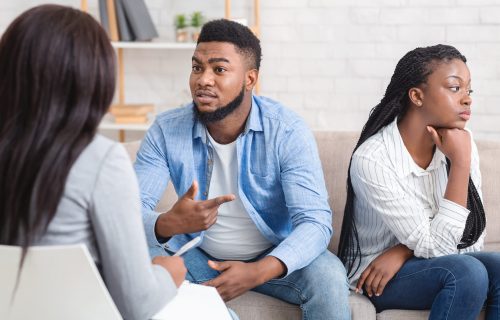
(335, 149)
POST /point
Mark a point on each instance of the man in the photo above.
(251, 183)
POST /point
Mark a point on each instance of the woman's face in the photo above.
(446, 101)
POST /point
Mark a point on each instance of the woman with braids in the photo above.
(60, 182)
(414, 221)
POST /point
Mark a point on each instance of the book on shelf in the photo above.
(140, 20)
(103, 15)
(127, 20)
(124, 29)
(131, 119)
(131, 109)
(131, 113)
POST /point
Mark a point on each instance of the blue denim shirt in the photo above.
(280, 178)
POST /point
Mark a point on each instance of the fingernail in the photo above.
(377, 294)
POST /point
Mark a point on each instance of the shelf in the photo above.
(153, 45)
(107, 124)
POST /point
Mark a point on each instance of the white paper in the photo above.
(194, 302)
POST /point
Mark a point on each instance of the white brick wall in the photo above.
(329, 60)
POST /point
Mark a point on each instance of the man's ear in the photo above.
(416, 96)
(251, 78)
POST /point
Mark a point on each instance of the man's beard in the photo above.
(221, 112)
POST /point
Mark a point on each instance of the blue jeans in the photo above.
(321, 289)
(452, 287)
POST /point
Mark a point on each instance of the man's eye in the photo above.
(220, 70)
(195, 68)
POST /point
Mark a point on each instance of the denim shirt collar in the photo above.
(254, 122)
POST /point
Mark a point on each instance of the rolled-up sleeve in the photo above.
(153, 173)
(306, 199)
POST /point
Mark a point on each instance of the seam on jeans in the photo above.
(449, 271)
(201, 281)
(281, 282)
(289, 284)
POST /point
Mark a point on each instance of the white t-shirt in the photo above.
(234, 236)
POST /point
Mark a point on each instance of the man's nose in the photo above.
(206, 78)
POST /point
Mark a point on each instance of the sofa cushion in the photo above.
(489, 154)
(256, 306)
(335, 150)
(410, 315)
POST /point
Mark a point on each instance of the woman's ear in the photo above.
(416, 96)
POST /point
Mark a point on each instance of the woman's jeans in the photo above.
(453, 287)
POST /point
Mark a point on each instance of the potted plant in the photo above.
(197, 21)
(181, 30)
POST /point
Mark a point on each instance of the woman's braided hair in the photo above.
(411, 71)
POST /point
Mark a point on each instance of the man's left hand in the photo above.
(235, 279)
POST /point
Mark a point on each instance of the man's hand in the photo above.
(174, 265)
(382, 269)
(238, 277)
(189, 215)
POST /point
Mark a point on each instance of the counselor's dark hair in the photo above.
(411, 71)
(57, 80)
(242, 37)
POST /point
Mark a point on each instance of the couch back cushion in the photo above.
(335, 150)
(489, 154)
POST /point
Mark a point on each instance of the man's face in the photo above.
(218, 77)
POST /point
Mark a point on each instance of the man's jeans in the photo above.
(321, 289)
(454, 287)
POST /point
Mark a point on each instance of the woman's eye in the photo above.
(469, 92)
(455, 88)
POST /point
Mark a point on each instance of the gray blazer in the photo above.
(100, 207)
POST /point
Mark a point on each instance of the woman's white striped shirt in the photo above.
(396, 201)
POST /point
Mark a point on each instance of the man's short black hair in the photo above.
(242, 37)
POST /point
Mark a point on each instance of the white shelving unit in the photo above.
(154, 45)
(108, 122)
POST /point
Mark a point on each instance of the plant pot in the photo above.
(182, 35)
(195, 33)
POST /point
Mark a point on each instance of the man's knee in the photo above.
(327, 271)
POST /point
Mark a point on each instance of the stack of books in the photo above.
(132, 113)
(127, 20)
